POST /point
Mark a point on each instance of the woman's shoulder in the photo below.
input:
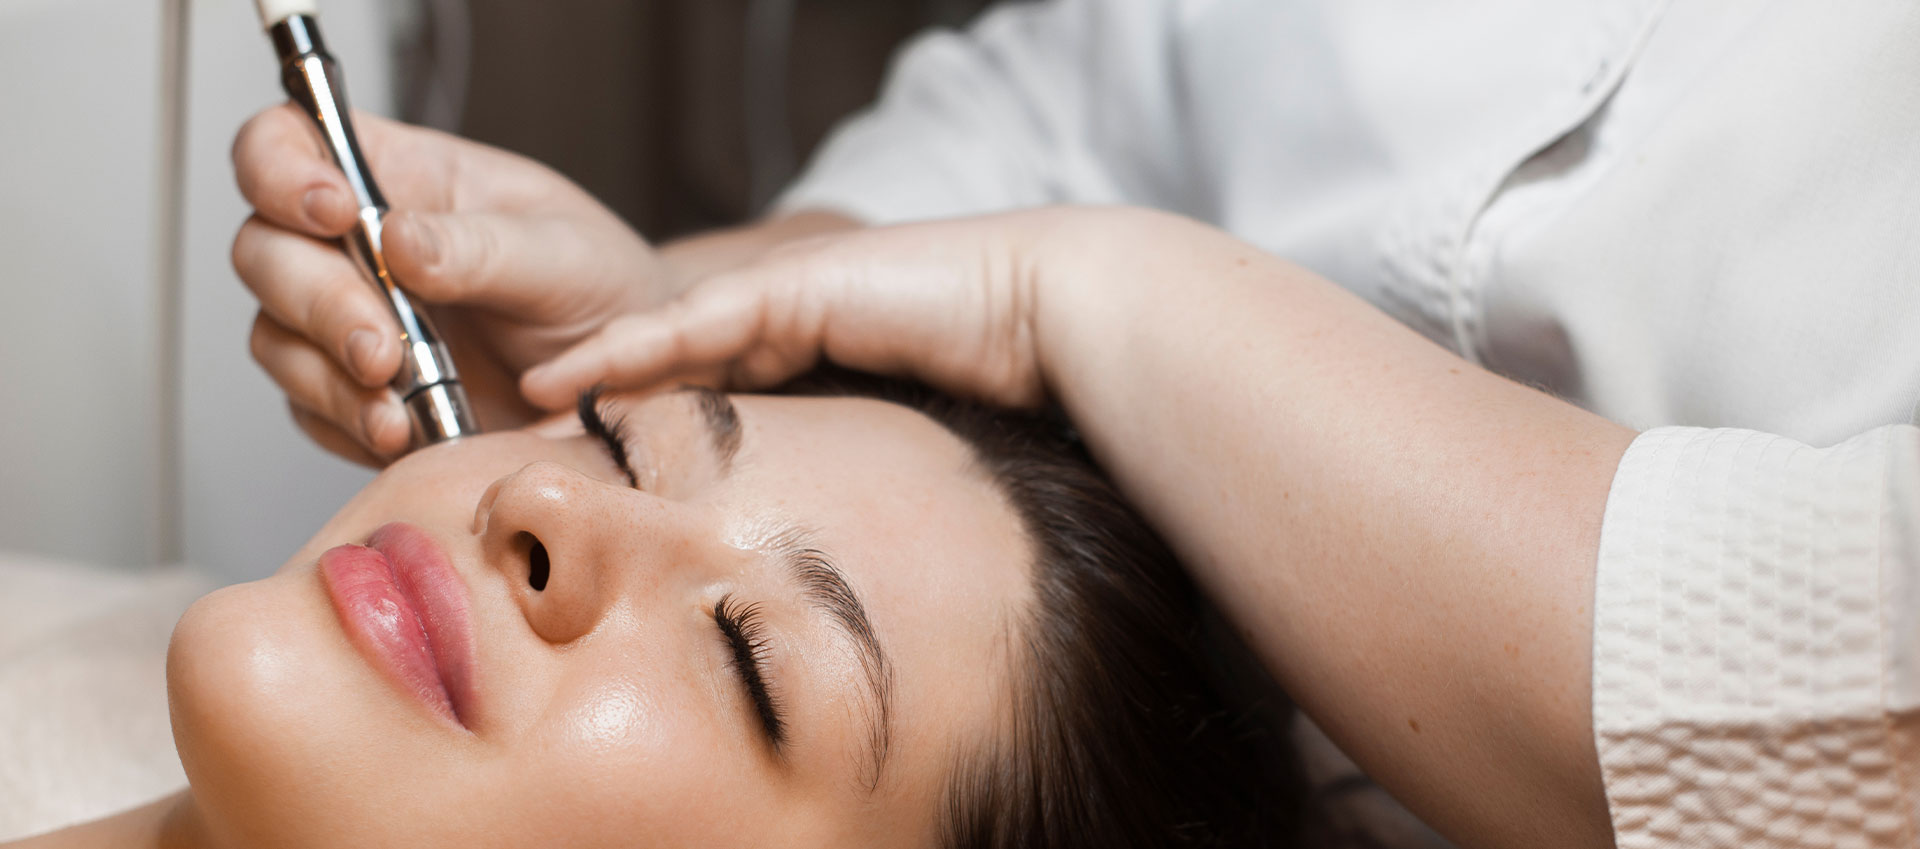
(83, 704)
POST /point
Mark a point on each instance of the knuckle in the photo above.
(246, 154)
(324, 433)
(246, 249)
(244, 140)
(334, 308)
(301, 417)
(261, 129)
(260, 338)
(309, 421)
(676, 346)
(440, 254)
(343, 405)
(478, 249)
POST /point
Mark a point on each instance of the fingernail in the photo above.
(363, 347)
(315, 204)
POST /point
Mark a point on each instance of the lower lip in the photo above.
(404, 607)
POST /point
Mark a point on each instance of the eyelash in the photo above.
(608, 426)
(745, 634)
(739, 624)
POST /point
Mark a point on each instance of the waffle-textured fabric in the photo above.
(1671, 212)
(1757, 641)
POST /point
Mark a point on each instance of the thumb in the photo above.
(524, 265)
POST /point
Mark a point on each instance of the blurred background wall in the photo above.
(681, 114)
(134, 430)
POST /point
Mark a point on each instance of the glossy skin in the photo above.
(1407, 539)
(609, 711)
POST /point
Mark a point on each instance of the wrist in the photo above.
(1095, 272)
(691, 259)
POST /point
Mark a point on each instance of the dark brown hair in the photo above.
(1136, 720)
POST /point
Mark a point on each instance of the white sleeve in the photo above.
(1007, 115)
(1756, 656)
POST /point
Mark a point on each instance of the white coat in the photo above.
(1699, 218)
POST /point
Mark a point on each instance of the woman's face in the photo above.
(543, 654)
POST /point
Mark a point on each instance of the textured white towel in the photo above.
(1755, 641)
(83, 705)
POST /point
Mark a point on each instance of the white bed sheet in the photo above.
(83, 709)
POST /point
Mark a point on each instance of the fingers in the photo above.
(722, 324)
(284, 173)
(333, 439)
(310, 287)
(947, 305)
(527, 265)
(371, 418)
(630, 351)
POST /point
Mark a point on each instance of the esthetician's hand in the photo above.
(1249, 408)
(966, 306)
(516, 262)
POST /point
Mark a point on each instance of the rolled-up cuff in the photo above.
(1744, 685)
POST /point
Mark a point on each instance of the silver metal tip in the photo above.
(441, 413)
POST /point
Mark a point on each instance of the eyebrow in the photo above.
(722, 420)
(825, 588)
(822, 585)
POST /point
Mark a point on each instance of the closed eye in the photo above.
(740, 625)
(604, 423)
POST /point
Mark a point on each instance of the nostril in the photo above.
(539, 567)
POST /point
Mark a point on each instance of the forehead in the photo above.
(923, 535)
(920, 529)
(869, 475)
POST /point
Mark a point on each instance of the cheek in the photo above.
(615, 718)
(289, 740)
(632, 754)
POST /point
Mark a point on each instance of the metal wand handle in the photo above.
(427, 382)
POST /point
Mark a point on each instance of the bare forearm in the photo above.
(1408, 539)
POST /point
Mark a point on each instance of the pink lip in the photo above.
(405, 607)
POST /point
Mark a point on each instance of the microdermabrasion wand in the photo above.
(427, 383)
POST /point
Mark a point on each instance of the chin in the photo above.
(286, 736)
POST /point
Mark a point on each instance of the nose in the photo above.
(572, 547)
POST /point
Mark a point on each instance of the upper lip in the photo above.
(423, 579)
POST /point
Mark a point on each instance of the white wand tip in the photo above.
(275, 11)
